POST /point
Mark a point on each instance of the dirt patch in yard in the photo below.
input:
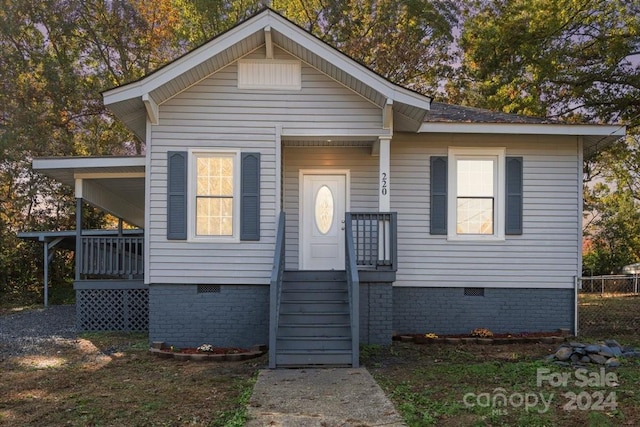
(111, 379)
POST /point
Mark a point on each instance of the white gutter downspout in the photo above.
(577, 283)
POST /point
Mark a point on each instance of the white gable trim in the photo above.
(274, 22)
(186, 62)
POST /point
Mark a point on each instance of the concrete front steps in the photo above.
(314, 326)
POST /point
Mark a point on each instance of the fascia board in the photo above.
(523, 129)
(87, 162)
(348, 65)
(187, 62)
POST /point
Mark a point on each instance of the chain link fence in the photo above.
(609, 306)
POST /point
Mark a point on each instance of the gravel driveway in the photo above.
(37, 331)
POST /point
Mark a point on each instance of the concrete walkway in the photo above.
(320, 397)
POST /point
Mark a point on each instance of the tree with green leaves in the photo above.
(573, 61)
(567, 59)
(57, 56)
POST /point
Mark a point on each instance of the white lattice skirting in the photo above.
(112, 309)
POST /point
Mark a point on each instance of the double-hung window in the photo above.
(215, 200)
(476, 194)
(213, 195)
(476, 184)
(476, 178)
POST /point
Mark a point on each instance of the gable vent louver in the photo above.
(269, 74)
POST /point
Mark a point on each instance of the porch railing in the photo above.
(375, 239)
(113, 256)
(353, 287)
(275, 290)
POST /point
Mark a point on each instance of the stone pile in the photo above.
(607, 353)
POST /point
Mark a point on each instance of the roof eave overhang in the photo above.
(524, 129)
(67, 169)
(595, 137)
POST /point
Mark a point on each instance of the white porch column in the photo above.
(78, 251)
(46, 274)
(384, 190)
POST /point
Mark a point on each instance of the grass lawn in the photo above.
(428, 385)
(112, 380)
(609, 314)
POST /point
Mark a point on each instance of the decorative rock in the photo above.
(563, 364)
(612, 344)
(563, 353)
(199, 357)
(580, 350)
(612, 363)
(592, 348)
(579, 354)
(204, 356)
(218, 357)
(157, 344)
(235, 357)
(605, 351)
(182, 356)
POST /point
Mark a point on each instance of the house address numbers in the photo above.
(384, 183)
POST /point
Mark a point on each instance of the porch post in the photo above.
(384, 193)
(384, 196)
(46, 274)
(78, 227)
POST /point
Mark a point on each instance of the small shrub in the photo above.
(481, 333)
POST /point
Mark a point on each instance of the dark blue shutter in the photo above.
(438, 218)
(177, 195)
(250, 197)
(513, 214)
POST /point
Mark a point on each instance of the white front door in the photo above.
(323, 204)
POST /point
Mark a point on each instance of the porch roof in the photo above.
(113, 184)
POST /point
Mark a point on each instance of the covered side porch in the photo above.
(109, 264)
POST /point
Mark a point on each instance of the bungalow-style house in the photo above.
(291, 196)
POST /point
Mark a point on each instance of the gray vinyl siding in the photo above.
(215, 114)
(546, 255)
(363, 172)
